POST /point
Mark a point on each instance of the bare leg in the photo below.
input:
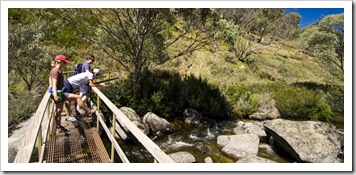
(84, 98)
(80, 103)
(59, 108)
(67, 106)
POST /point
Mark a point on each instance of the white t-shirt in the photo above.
(80, 79)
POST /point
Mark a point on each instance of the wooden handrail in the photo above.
(156, 152)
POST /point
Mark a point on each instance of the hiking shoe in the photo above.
(71, 118)
(80, 111)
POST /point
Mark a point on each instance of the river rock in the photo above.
(266, 150)
(306, 141)
(238, 146)
(123, 132)
(130, 113)
(182, 157)
(208, 160)
(251, 128)
(203, 148)
(267, 109)
(192, 117)
(156, 123)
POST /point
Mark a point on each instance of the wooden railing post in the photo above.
(97, 109)
(113, 134)
(39, 142)
(48, 109)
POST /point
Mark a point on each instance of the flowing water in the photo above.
(199, 141)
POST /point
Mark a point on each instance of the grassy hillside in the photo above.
(276, 66)
(280, 62)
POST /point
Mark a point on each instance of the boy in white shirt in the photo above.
(80, 80)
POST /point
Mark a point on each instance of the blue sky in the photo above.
(310, 15)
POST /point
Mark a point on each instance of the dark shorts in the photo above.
(68, 87)
(85, 89)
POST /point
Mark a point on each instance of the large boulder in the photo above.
(123, 132)
(130, 113)
(156, 123)
(306, 141)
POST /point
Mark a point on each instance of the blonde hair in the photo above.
(55, 62)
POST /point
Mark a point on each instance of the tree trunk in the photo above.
(136, 80)
(29, 87)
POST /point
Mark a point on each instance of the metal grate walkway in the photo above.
(96, 146)
(72, 146)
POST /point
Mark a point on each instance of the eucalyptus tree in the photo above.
(234, 29)
(291, 29)
(26, 54)
(243, 29)
(325, 40)
(266, 22)
(140, 39)
(242, 17)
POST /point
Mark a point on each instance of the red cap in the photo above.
(62, 58)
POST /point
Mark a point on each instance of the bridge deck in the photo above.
(80, 144)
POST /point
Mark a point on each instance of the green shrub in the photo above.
(240, 98)
(333, 95)
(310, 101)
(322, 112)
(296, 102)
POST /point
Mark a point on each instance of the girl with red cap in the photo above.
(58, 92)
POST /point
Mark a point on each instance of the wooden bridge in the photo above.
(82, 143)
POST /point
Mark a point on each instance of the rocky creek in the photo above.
(229, 141)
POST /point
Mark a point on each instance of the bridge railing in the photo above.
(42, 118)
(157, 153)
